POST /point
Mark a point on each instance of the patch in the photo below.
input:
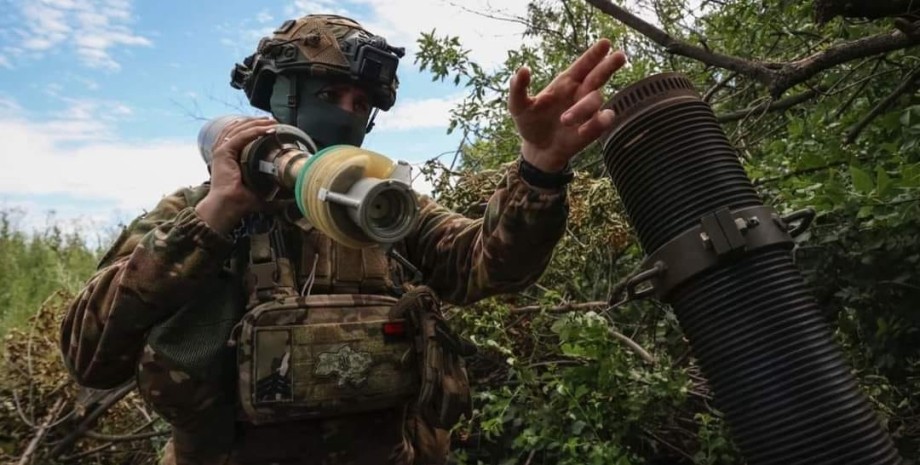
(272, 368)
(349, 366)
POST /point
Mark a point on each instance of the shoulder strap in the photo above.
(269, 276)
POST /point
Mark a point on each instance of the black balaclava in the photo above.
(326, 123)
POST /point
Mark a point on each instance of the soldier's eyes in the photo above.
(359, 102)
(327, 96)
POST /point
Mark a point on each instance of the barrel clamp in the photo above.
(721, 236)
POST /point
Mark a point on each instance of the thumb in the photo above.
(518, 100)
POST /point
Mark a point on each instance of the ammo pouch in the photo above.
(445, 388)
(320, 356)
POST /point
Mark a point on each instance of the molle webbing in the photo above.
(340, 269)
(270, 274)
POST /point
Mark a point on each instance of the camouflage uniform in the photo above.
(170, 281)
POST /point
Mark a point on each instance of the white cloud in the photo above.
(79, 158)
(488, 39)
(5, 62)
(418, 114)
(90, 28)
(9, 107)
(303, 7)
(89, 83)
(264, 17)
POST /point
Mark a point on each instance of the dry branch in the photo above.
(84, 426)
(41, 431)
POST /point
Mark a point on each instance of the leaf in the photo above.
(862, 182)
(882, 180)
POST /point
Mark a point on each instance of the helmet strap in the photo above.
(292, 99)
(370, 121)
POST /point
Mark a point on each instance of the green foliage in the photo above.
(562, 378)
(562, 389)
(34, 266)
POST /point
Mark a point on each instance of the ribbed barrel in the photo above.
(786, 392)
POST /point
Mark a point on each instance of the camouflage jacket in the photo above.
(169, 266)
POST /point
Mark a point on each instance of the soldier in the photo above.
(166, 302)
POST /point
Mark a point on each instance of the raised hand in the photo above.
(565, 116)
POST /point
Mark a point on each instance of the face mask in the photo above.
(326, 123)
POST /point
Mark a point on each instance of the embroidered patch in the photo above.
(349, 366)
(272, 368)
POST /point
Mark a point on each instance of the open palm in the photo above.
(566, 115)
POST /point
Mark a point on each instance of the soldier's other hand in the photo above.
(566, 115)
(228, 199)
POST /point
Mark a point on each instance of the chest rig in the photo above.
(322, 335)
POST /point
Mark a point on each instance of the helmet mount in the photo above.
(326, 46)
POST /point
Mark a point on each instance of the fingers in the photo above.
(233, 139)
(601, 73)
(222, 135)
(518, 100)
(579, 69)
(234, 126)
(597, 125)
(582, 110)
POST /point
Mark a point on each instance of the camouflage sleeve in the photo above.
(147, 274)
(465, 260)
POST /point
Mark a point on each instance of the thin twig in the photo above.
(85, 424)
(718, 86)
(907, 85)
(559, 308)
(40, 433)
(769, 106)
(668, 444)
(641, 352)
(71, 458)
(126, 437)
(855, 94)
(530, 456)
(22, 415)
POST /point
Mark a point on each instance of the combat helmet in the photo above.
(326, 46)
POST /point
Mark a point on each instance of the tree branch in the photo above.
(907, 85)
(778, 77)
(862, 86)
(749, 68)
(112, 397)
(639, 350)
(799, 71)
(718, 86)
(561, 308)
(776, 105)
(633, 345)
(26, 457)
(126, 437)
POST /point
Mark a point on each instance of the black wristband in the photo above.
(539, 178)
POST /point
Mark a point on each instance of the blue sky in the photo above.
(101, 100)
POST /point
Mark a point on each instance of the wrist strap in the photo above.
(539, 178)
